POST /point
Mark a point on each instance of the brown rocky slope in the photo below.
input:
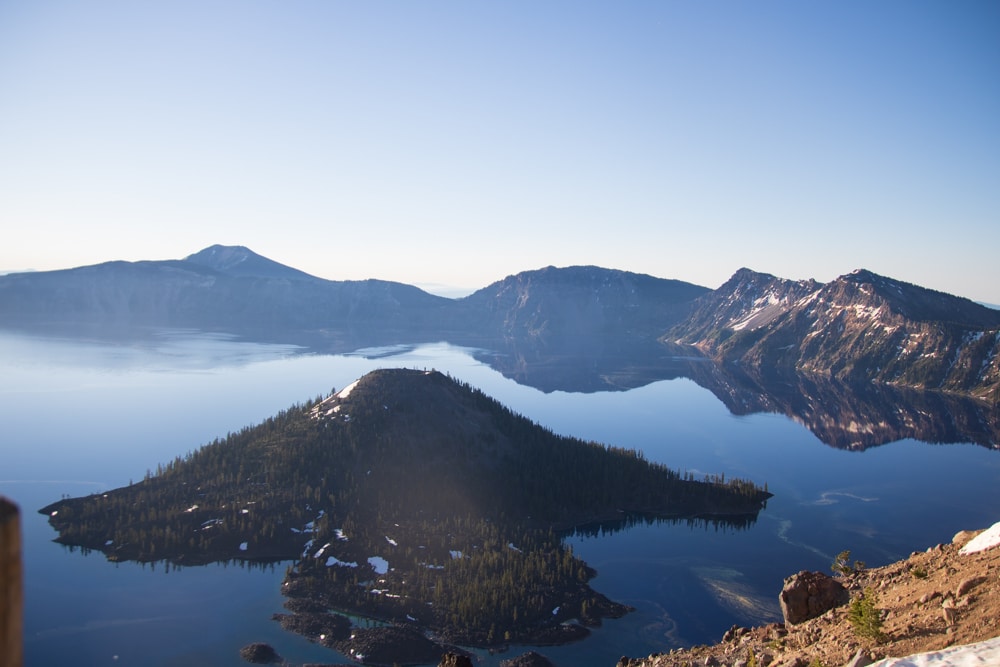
(932, 600)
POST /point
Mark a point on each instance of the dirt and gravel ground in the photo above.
(931, 600)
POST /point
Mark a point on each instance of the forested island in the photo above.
(409, 498)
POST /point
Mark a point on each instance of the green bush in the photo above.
(865, 616)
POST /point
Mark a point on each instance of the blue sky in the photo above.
(455, 143)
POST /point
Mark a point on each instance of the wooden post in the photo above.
(11, 591)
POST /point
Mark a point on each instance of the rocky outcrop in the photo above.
(807, 595)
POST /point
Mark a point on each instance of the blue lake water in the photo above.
(79, 417)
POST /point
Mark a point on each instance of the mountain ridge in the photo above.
(232, 289)
(860, 326)
(555, 301)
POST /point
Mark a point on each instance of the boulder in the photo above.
(733, 633)
(807, 595)
(968, 584)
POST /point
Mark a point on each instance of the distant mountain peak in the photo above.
(240, 261)
(221, 256)
(863, 276)
(745, 273)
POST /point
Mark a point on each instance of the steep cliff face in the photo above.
(865, 325)
(746, 302)
(861, 326)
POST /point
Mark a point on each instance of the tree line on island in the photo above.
(408, 497)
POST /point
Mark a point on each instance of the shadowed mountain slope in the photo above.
(558, 304)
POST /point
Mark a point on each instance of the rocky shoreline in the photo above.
(932, 600)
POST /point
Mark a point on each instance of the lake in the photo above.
(85, 416)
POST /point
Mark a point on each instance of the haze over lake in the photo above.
(83, 417)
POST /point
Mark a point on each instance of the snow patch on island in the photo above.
(346, 391)
(380, 564)
(308, 528)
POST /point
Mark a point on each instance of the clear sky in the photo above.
(455, 143)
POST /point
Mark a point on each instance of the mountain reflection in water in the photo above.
(845, 416)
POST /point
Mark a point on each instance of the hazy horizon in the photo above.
(453, 144)
(459, 291)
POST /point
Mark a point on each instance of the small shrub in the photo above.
(842, 564)
(919, 573)
(865, 616)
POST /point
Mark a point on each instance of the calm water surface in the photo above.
(84, 417)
